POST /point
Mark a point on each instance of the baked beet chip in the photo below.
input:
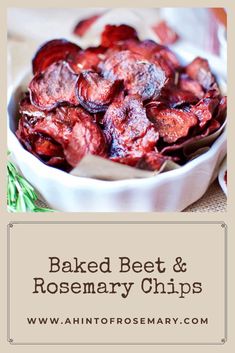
(83, 26)
(140, 76)
(165, 33)
(94, 92)
(52, 51)
(173, 124)
(126, 100)
(131, 131)
(54, 86)
(115, 34)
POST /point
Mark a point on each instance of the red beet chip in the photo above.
(40, 145)
(75, 131)
(113, 34)
(188, 84)
(212, 127)
(222, 110)
(86, 138)
(139, 75)
(94, 92)
(165, 33)
(60, 122)
(26, 108)
(154, 107)
(127, 160)
(199, 70)
(152, 161)
(83, 26)
(173, 124)
(176, 97)
(132, 133)
(52, 51)
(204, 110)
(45, 146)
(87, 59)
(149, 161)
(155, 53)
(53, 86)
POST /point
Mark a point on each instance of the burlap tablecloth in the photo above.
(213, 200)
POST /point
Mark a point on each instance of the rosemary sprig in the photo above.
(21, 196)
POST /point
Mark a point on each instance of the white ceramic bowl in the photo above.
(169, 191)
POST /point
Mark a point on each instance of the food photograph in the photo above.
(117, 110)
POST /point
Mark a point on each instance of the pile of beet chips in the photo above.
(126, 100)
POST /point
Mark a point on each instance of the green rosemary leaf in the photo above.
(41, 209)
(21, 196)
(29, 203)
(20, 204)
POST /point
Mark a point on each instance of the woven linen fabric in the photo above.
(214, 200)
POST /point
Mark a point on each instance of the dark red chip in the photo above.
(132, 133)
(86, 138)
(115, 34)
(212, 127)
(199, 70)
(204, 110)
(60, 122)
(188, 84)
(152, 161)
(173, 124)
(75, 131)
(153, 52)
(165, 33)
(52, 51)
(222, 110)
(45, 146)
(54, 86)
(58, 162)
(94, 92)
(87, 59)
(26, 108)
(84, 25)
(175, 97)
(139, 75)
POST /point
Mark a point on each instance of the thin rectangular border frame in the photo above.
(223, 340)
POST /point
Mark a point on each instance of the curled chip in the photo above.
(86, 137)
(87, 59)
(204, 110)
(83, 26)
(60, 122)
(172, 124)
(188, 84)
(152, 161)
(212, 127)
(94, 92)
(176, 97)
(54, 86)
(199, 70)
(132, 133)
(222, 110)
(52, 51)
(139, 75)
(165, 33)
(26, 108)
(114, 34)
